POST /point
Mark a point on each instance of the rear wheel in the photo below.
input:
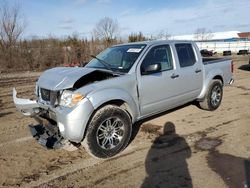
(109, 132)
(213, 96)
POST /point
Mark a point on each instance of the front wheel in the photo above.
(213, 96)
(109, 132)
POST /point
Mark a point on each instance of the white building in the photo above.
(212, 36)
(219, 41)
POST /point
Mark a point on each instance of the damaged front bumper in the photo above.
(48, 136)
(55, 124)
(26, 106)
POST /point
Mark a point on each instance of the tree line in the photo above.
(17, 54)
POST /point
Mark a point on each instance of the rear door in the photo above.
(190, 72)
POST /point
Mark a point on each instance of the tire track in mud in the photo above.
(16, 78)
(241, 87)
(2, 114)
(6, 101)
(19, 140)
(119, 172)
(9, 94)
(19, 75)
(40, 180)
(17, 81)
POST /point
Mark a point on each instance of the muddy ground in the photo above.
(186, 147)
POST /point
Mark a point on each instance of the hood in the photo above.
(71, 77)
(62, 77)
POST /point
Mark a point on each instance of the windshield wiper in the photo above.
(106, 65)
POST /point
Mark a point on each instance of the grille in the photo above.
(45, 94)
(49, 97)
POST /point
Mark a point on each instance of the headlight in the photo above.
(70, 99)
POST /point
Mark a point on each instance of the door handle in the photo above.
(174, 76)
(197, 70)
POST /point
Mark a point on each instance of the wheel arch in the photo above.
(213, 75)
(219, 77)
(118, 102)
(116, 97)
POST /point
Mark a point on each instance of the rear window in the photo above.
(185, 54)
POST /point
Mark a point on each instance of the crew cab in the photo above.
(97, 105)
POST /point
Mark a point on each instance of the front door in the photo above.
(156, 90)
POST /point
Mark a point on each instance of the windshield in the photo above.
(118, 58)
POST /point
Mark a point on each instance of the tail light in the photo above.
(232, 66)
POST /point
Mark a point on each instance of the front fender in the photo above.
(103, 96)
(207, 81)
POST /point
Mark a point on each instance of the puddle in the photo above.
(151, 129)
(207, 143)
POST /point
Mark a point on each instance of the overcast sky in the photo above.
(63, 17)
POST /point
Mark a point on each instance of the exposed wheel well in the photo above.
(122, 104)
(218, 78)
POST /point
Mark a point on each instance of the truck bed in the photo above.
(210, 60)
(222, 65)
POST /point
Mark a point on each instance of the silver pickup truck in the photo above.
(98, 104)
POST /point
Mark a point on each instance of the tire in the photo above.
(213, 96)
(109, 132)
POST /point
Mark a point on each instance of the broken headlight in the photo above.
(70, 99)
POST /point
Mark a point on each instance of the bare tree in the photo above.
(202, 34)
(163, 35)
(12, 25)
(134, 37)
(107, 29)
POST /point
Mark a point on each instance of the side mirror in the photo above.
(150, 69)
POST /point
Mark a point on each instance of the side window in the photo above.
(185, 54)
(159, 54)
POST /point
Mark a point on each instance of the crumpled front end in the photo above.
(56, 124)
(45, 132)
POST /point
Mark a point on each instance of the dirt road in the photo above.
(186, 147)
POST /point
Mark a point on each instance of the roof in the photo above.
(153, 42)
(244, 35)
